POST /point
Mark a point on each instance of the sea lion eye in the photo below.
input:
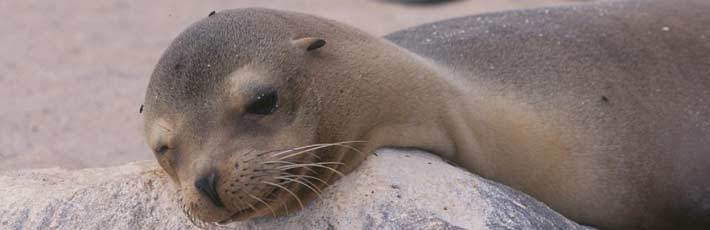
(162, 149)
(264, 104)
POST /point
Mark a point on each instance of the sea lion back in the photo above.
(631, 79)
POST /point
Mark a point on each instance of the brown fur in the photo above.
(564, 134)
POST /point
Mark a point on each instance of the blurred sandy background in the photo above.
(73, 73)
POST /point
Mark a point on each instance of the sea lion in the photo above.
(600, 111)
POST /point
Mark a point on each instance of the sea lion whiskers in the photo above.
(280, 151)
(317, 191)
(188, 211)
(308, 148)
(295, 163)
(273, 212)
(311, 177)
(300, 178)
(266, 202)
(287, 162)
(282, 204)
(299, 165)
(308, 169)
(312, 165)
(248, 204)
(325, 146)
(254, 209)
(287, 190)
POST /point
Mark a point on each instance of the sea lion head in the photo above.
(233, 113)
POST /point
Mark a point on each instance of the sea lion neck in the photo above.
(406, 100)
(400, 100)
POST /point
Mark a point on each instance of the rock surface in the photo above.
(395, 189)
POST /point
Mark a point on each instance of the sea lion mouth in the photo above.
(248, 212)
(294, 178)
(239, 215)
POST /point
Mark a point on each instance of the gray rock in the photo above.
(396, 189)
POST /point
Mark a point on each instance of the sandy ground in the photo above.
(73, 73)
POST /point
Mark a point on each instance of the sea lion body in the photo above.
(599, 111)
(628, 83)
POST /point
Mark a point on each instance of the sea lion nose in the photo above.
(208, 186)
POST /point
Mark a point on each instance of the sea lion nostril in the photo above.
(208, 187)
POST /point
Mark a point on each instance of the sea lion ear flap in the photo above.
(309, 43)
